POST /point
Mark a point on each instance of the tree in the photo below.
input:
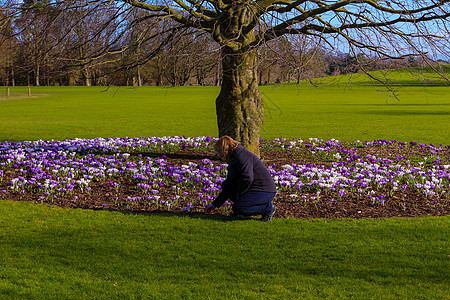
(32, 38)
(37, 33)
(177, 60)
(205, 52)
(7, 49)
(388, 28)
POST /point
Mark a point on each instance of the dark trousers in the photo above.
(253, 203)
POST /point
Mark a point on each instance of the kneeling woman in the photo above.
(248, 185)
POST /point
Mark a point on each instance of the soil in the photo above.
(404, 203)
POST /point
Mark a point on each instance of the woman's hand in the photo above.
(210, 208)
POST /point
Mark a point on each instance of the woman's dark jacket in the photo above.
(246, 173)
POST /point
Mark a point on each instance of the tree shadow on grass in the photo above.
(193, 215)
(398, 104)
(406, 113)
(407, 83)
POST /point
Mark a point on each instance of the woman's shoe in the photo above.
(268, 216)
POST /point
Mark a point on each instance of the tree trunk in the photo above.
(139, 79)
(37, 75)
(239, 107)
(13, 80)
(87, 76)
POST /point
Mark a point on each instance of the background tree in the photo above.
(7, 49)
(206, 55)
(305, 60)
(33, 38)
(179, 64)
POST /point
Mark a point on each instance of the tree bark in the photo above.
(139, 79)
(87, 76)
(13, 80)
(239, 107)
(37, 75)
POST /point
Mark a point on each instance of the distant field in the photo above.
(86, 112)
(346, 108)
(421, 77)
(352, 113)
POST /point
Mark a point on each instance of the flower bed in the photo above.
(315, 178)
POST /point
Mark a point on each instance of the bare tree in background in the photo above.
(8, 46)
(206, 55)
(34, 37)
(388, 29)
(305, 59)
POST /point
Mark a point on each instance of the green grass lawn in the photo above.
(358, 112)
(87, 112)
(341, 110)
(52, 253)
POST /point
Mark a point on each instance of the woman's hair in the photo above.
(225, 146)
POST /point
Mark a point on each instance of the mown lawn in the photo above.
(48, 252)
(348, 112)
